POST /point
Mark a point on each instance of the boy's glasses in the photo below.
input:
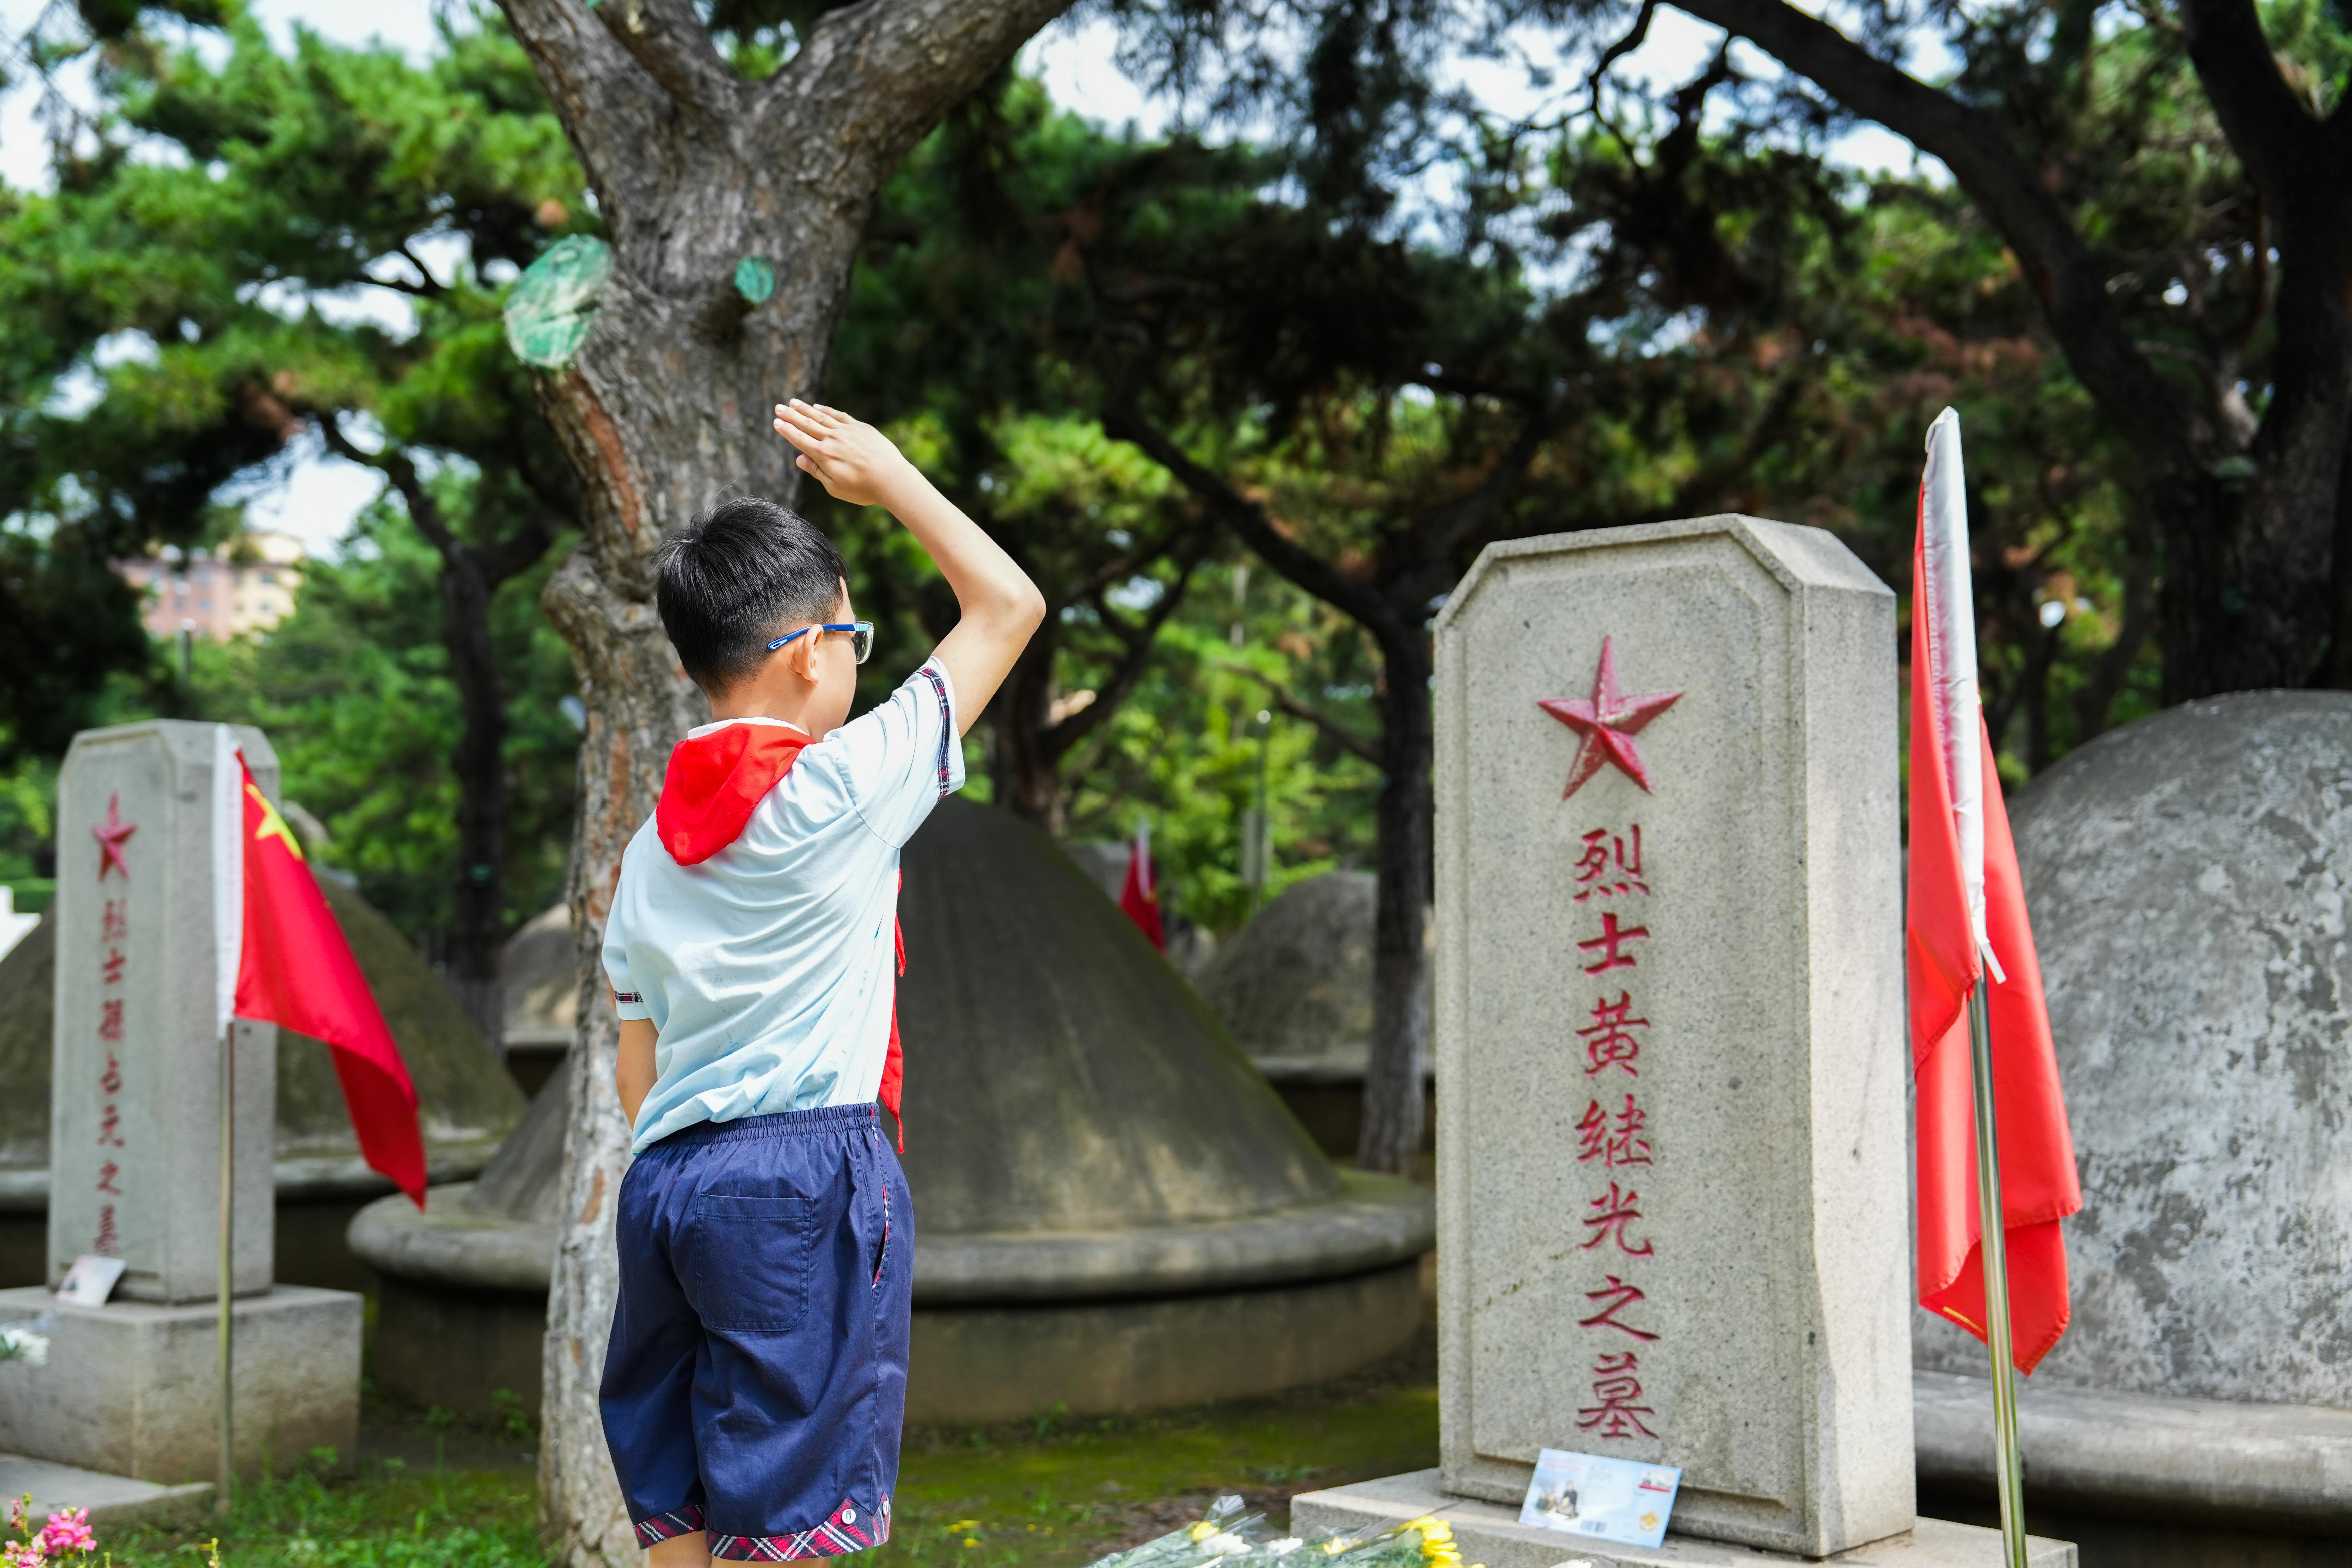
(861, 636)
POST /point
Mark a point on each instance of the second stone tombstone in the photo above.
(1670, 1042)
(130, 1387)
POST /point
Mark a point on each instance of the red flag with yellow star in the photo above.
(296, 970)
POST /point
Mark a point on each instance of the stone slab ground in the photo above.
(1490, 1533)
(114, 1501)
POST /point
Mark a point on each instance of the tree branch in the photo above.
(519, 552)
(394, 465)
(2284, 150)
(2057, 265)
(1619, 49)
(613, 111)
(1454, 522)
(1059, 739)
(1123, 422)
(669, 40)
(516, 553)
(1349, 741)
(876, 76)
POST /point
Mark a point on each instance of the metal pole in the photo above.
(225, 1475)
(1994, 1251)
(1261, 852)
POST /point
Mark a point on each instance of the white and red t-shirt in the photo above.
(755, 920)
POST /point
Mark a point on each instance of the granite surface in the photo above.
(135, 1160)
(134, 1387)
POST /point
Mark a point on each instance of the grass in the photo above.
(1052, 1493)
(387, 1519)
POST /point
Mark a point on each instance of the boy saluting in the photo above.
(756, 1381)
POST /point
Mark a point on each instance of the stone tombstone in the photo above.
(1669, 1032)
(135, 1139)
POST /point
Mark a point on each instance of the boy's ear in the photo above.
(803, 652)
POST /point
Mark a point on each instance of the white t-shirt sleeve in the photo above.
(627, 999)
(900, 758)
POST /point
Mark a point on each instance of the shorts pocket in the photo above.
(750, 1259)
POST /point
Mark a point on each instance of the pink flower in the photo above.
(16, 1513)
(25, 1554)
(68, 1530)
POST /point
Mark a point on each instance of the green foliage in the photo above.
(393, 1519)
(354, 692)
(243, 249)
(1185, 749)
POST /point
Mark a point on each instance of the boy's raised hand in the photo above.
(1000, 607)
(854, 461)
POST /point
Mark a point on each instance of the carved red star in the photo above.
(112, 835)
(1608, 723)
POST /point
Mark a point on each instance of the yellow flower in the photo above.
(963, 1524)
(1201, 1531)
(968, 1541)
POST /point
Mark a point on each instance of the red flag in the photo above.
(296, 970)
(1944, 958)
(1139, 895)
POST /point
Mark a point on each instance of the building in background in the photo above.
(247, 586)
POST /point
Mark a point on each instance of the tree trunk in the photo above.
(1024, 768)
(1394, 1077)
(477, 930)
(661, 412)
(638, 707)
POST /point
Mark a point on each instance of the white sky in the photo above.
(322, 494)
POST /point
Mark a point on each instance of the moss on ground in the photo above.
(433, 1493)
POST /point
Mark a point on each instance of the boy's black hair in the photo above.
(736, 578)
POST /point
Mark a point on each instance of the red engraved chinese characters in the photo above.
(1609, 1039)
(113, 972)
(1615, 1296)
(1615, 1138)
(1605, 948)
(1611, 1214)
(1614, 1135)
(1612, 865)
(1613, 1413)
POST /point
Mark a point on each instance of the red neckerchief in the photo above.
(715, 783)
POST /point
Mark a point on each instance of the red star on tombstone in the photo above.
(112, 835)
(1608, 723)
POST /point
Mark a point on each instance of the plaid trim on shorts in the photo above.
(851, 1529)
(661, 1527)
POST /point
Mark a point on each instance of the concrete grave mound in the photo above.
(538, 977)
(466, 1101)
(1294, 986)
(1114, 1210)
(2187, 878)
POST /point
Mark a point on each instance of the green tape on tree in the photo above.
(555, 301)
(755, 279)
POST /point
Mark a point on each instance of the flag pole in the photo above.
(1993, 1250)
(225, 1475)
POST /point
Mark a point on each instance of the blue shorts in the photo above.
(756, 1380)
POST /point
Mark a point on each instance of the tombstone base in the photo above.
(115, 1502)
(1491, 1533)
(132, 1388)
